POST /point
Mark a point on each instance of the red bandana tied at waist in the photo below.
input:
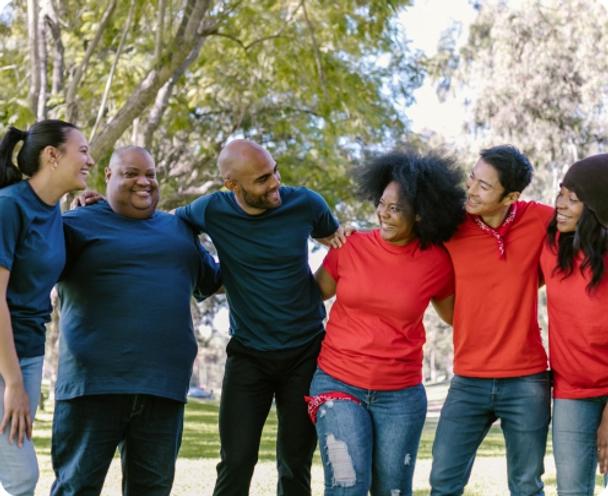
(315, 402)
(500, 232)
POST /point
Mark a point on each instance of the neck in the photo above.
(47, 190)
(248, 209)
(496, 219)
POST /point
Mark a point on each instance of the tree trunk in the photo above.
(32, 28)
(191, 31)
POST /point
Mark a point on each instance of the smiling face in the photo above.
(485, 195)
(253, 176)
(132, 186)
(569, 210)
(395, 217)
(73, 161)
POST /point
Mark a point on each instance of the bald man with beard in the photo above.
(261, 230)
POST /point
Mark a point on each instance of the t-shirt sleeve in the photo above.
(194, 213)
(330, 263)
(324, 223)
(445, 277)
(544, 212)
(11, 222)
(209, 275)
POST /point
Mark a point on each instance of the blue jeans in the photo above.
(18, 466)
(372, 446)
(523, 406)
(87, 430)
(575, 424)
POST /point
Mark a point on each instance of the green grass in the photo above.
(199, 454)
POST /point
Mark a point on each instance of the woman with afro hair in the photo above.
(573, 263)
(367, 397)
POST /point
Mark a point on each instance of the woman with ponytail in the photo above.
(53, 160)
(573, 263)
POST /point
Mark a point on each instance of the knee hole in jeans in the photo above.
(340, 461)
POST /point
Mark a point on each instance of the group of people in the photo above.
(126, 272)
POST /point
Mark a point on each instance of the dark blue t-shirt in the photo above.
(126, 326)
(33, 250)
(274, 300)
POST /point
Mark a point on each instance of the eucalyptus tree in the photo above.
(533, 74)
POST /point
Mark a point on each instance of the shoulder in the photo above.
(542, 212)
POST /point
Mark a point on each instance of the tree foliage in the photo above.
(314, 81)
(534, 75)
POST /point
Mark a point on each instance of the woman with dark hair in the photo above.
(367, 397)
(573, 263)
(55, 158)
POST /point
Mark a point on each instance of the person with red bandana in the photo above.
(573, 262)
(367, 397)
(500, 364)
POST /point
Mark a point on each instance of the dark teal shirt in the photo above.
(126, 326)
(33, 250)
(274, 300)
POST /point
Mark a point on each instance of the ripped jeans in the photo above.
(370, 446)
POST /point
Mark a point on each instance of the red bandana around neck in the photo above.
(500, 232)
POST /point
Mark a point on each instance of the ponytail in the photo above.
(42, 134)
(9, 173)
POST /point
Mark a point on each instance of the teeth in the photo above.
(563, 217)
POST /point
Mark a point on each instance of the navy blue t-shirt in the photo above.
(126, 326)
(33, 250)
(274, 300)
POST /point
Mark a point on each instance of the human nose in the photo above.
(559, 202)
(277, 179)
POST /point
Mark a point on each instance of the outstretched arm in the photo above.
(16, 400)
(86, 198)
(336, 240)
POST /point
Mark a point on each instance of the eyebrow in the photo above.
(276, 166)
(481, 180)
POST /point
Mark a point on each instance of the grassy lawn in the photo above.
(195, 473)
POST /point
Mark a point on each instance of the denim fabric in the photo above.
(372, 446)
(523, 406)
(252, 379)
(575, 424)
(87, 430)
(18, 466)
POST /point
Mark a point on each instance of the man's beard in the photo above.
(260, 202)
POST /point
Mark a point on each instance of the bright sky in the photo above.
(424, 23)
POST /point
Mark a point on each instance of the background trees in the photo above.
(533, 74)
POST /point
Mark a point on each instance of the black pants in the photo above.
(251, 379)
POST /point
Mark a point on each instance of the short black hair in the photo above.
(430, 184)
(513, 167)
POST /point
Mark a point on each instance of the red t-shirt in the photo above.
(496, 332)
(375, 333)
(578, 331)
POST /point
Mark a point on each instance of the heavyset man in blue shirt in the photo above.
(127, 344)
(261, 230)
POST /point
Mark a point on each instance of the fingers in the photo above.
(602, 458)
(349, 230)
(4, 423)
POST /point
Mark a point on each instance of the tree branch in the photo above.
(32, 28)
(58, 49)
(160, 24)
(70, 98)
(317, 54)
(146, 91)
(106, 91)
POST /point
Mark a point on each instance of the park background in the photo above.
(323, 85)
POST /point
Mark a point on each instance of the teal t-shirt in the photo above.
(126, 326)
(33, 250)
(274, 300)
